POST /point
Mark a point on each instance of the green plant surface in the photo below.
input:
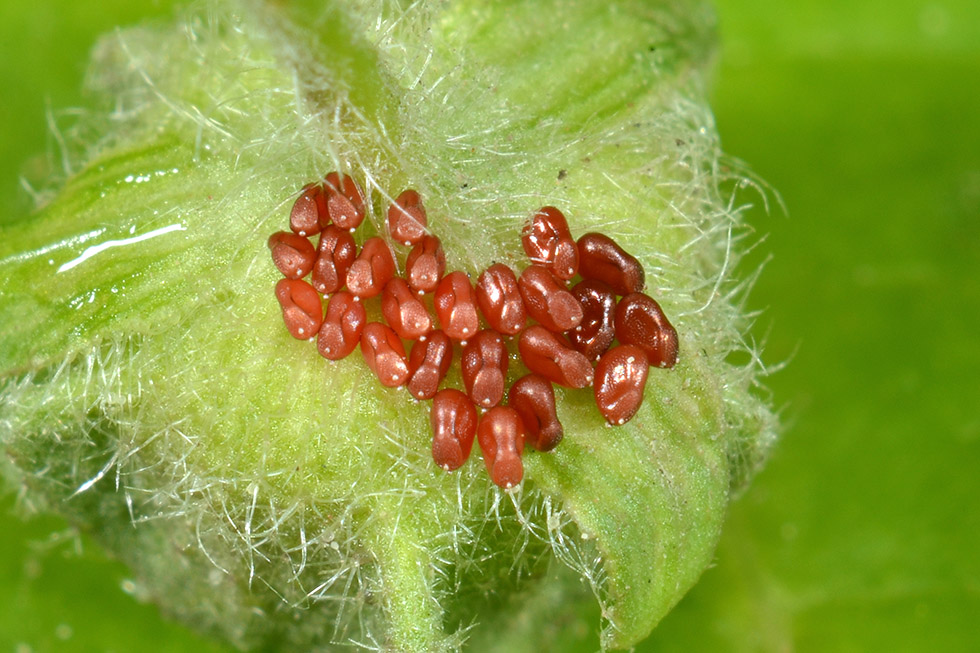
(59, 592)
(861, 533)
(262, 494)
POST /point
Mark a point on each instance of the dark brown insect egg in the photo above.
(602, 259)
(425, 265)
(428, 364)
(345, 201)
(373, 268)
(384, 354)
(342, 326)
(455, 305)
(640, 321)
(550, 355)
(309, 211)
(533, 397)
(403, 311)
(454, 423)
(500, 301)
(548, 242)
(501, 436)
(484, 368)
(301, 308)
(596, 332)
(620, 378)
(293, 255)
(336, 252)
(547, 301)
(407, 218)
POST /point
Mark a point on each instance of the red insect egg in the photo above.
(428, 364)
(293, 255)
(336, 252)
(602, 259)
(342, 326)
(620, 378)
(454, 422)
(548, 302)
(596, 332)
(345, 201)
(373, 268)
(499, 298)
(425, 265)
(533, 397)
(501, 436)
(640, 321)
(550, 355)
(384, 354)
(301, 308)
(455, 305)
(484, 368)
(403, 311)
(548, 242)
(407, 218)
(309, 211)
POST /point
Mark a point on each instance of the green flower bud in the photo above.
(150, 393)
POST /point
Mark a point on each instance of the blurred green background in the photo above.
(863, 533)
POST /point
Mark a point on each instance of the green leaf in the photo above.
(259, 493)
(861, 533)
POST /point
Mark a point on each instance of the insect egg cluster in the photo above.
(590, 323)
